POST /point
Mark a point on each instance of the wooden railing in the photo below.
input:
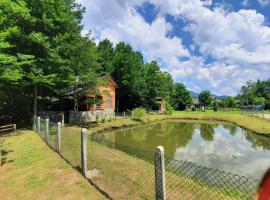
(9, 127)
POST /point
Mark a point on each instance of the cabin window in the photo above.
(108, 102)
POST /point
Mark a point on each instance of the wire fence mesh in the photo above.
(42, 128)
(121, 173)
(187, 180)
(52, 135)
(71, 145)
(128, 173)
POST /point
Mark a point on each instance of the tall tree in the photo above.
(205, 98)
(128, 75)
(181, 97)
(106, 52)
(36, 38)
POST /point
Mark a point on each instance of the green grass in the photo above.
(256, 125)
(31, 170)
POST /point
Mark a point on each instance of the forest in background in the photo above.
(43, 52)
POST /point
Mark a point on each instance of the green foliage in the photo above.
(138, 114)
(106, 52)
(215, 106)
(228, 102)
(181, 97)
(169, 109)
(39, 41)
(205, 98)
(255, 93)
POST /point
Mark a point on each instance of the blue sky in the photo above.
(206, 44)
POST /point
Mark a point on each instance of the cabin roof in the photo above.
(109, 78)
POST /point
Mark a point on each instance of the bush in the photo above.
(193, 109)
(138, 114)
(215, 106)
(169, 109)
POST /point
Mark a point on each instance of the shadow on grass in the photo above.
(78, 168)
(4, 153)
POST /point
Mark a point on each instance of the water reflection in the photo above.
(207, 132)
(223, 147)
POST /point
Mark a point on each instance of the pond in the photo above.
(219, 146)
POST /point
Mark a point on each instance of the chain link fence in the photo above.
(52, 135)
(128, 173)
(71, 145)
(191, 181)
(121, 173)
(263, 114)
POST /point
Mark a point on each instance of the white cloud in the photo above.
(239, 42)
(264, 2)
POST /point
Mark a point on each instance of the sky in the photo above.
(215, 45)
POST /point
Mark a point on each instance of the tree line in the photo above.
(43, 52)
(256, 93)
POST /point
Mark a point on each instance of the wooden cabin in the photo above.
(161, 104)
(106, 96)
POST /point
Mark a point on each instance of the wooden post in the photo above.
(83, 151)
(14, 128)
(160, 173)
(63, 119)
(38, 124)
(58, 138)
(47, 130)
(124, 114)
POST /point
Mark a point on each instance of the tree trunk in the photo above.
(35, 100)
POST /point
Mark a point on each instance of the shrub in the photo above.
(215, 106)
(169, 109)
(138, 114)
(193, 109)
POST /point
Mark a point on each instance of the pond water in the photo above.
(220, 146)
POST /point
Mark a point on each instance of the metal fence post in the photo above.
(38, 124)
(58, 138)
(47, 130)
(83, 151)
(160, 173)
(63, 119)
(35, 123)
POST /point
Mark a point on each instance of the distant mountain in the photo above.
(196, 94)
(220, 97)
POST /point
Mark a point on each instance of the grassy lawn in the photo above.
(31, 170)
(257, 125)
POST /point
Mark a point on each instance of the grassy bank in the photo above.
(256, 125)
(30, 170)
